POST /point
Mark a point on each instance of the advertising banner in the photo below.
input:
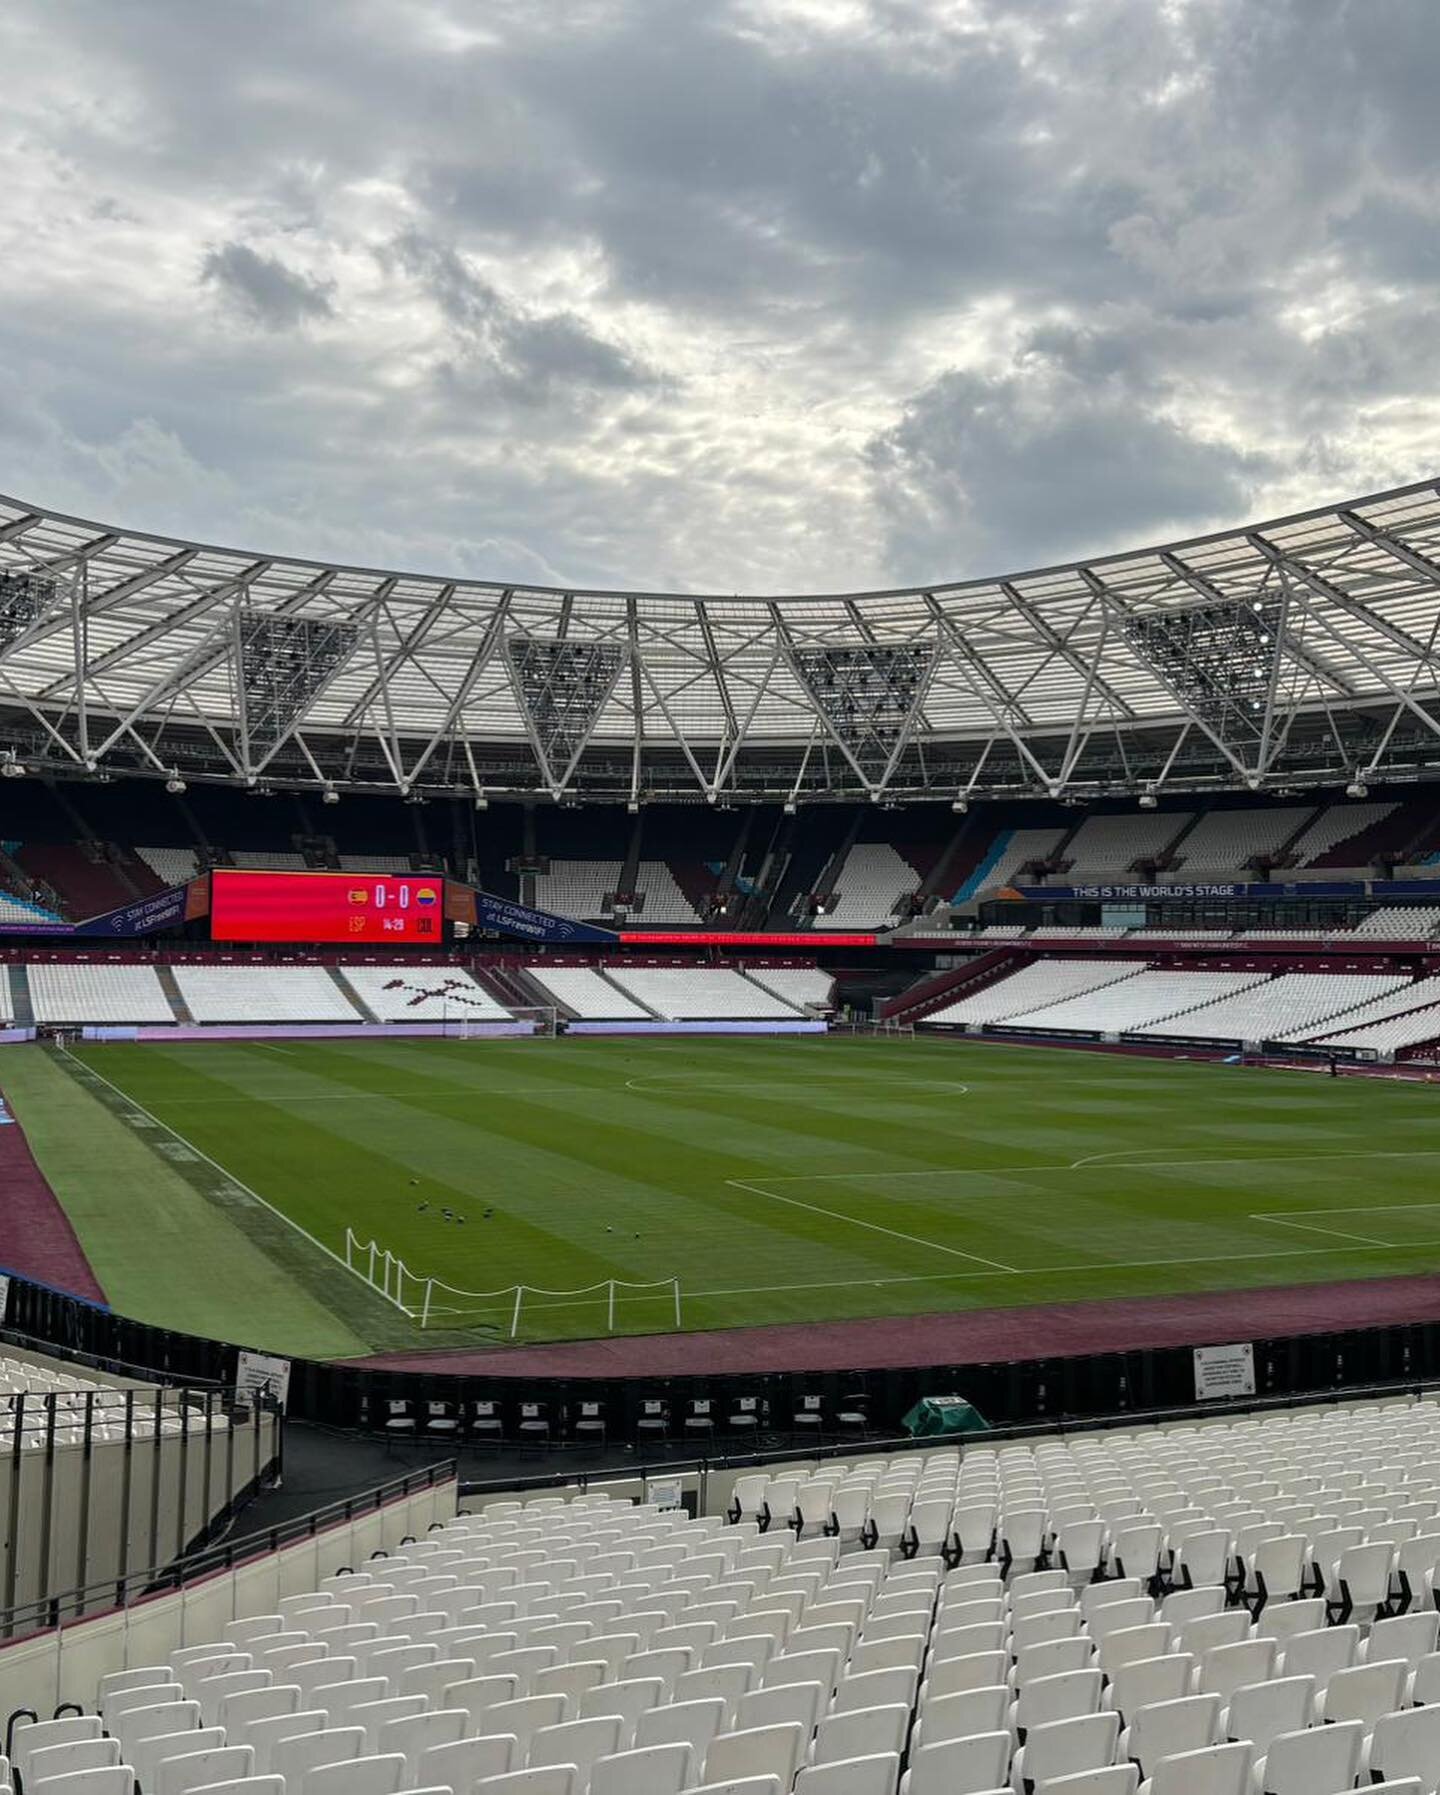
(502, 917)
(165, 910)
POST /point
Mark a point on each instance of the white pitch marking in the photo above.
(224, 1171)
(1139, 1166)
(875, 1227)
(1040, 1271)
(1092, 1159)
(1280, 1221)
(673, 1080)
(1045, 1271)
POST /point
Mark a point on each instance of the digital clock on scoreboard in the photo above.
(363, 909)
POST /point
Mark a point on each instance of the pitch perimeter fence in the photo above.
(1008, 1393)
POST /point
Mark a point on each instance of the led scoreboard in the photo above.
(364, 909)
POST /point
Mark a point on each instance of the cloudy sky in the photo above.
(737, 295)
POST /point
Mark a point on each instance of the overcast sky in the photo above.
(736, 295)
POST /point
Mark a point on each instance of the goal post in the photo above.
(613, 1305)
(543, 1020)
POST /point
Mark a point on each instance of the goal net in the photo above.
(542, 1022)
(515, 1311)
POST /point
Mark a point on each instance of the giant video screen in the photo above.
(358, 909)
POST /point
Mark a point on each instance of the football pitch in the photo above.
(778, 1179)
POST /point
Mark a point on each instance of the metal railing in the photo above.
(84, 1602)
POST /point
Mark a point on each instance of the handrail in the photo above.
(74, 1606)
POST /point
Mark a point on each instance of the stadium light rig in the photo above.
(1357, 788)
(329, 795)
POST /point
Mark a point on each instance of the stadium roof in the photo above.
(1294, 650)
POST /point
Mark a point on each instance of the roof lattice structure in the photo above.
(1296, 649)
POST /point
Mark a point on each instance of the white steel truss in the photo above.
(1292, 652)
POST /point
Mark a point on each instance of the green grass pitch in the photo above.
(780, 1179)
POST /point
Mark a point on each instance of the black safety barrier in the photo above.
(450, 1410)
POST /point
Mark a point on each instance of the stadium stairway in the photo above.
(525, 992)
(937, 989)
(505, 985)
(352, 996)
(173, 996)
(21, 1008)
(629, 996)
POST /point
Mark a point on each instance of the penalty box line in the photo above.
(1092, 1161)
(1297, 1218)
(854, 1221)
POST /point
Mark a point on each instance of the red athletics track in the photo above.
(36, 1239)
(977, 1337)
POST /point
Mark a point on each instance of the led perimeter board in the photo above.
(361, 909)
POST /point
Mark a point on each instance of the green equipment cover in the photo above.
(943, 1415)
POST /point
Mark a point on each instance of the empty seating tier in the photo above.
(702, 993)
(578, 888)
(1219, 1610)
(1135, 1002)
(1391, 1035)
(1225, 840)
(1011, 850)
(422, 994)
(798, 985)
(1279, 1007)
(587, 995)
(870, 887)
(83, 993)
(263, 994)
(24, 910)
(272, 859)
(664, 901)
(1108, 844)
(375, 863)
(1406, 922)
(1335, 824)
(174, 866)
(1043, 983)
(1381, 1009)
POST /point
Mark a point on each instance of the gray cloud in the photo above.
(1065, 465)
(529, 358)
(760, 295)
(263, 288)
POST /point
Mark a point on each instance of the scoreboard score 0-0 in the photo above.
(361, 909)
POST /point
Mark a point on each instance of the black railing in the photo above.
(87, 1601)
(1083, 1387)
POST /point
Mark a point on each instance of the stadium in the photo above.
(719, 899)
(576, 1024)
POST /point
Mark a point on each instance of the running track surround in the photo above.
(975, 1337)
(36, 1238)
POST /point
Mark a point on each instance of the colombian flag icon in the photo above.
(426, 895)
